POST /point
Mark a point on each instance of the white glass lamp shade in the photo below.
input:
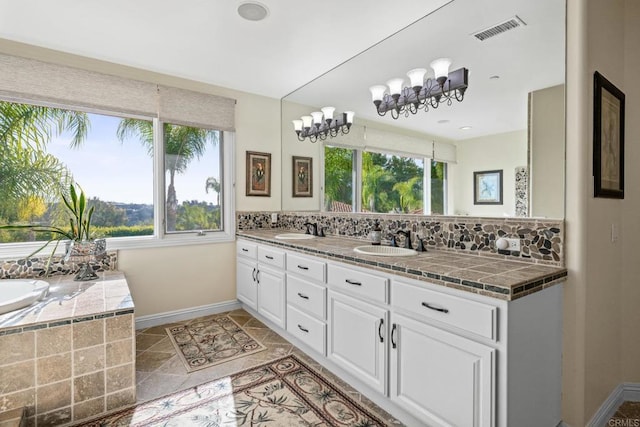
(350, 115)
(317, 117)
(416, 76)
(297, 125)
(395, 86)
(377, 92)
(306, 121)
(328, 112)
(441, 67)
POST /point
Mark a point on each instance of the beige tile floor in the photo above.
(159, 370)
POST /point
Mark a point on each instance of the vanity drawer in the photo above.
(306, 267)
(271, 256)
(307, 329)
(307, 296)
(358, 283)
(246, 249)
(472, 316)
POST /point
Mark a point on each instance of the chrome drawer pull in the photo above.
(431, 307)
(353, 282)
(302, 296)
(268, 257)
(303, 329)
(302, 267)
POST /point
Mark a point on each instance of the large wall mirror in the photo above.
(511, 119)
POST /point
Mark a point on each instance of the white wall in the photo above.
(175, 278)
(504, 151)
(601, 334)
(630, 334)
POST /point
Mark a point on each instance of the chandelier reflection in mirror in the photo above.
(422, 94)
(321, 125)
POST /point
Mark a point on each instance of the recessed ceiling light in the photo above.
(253, 11)
(465, 128)
(443, 121)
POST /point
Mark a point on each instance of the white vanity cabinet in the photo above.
(357, 320)
(260, 280)
(246, 269)
(307, 301)
(429, 354)
(444, 378)
(357, 339)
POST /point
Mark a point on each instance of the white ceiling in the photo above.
(206, 40)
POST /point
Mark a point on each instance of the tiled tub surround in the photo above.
(35, 267)
(505, 279)
(70, 356)
(541, 240)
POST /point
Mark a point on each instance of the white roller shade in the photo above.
(28, 79)
(444, 152)
(40, 81)
(195, 108)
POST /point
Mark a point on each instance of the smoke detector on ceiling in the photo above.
(504, 26)
(253, 11)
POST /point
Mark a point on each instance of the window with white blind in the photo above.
(155, 161)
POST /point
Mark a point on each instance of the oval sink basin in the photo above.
(384, 251)
(295, 236)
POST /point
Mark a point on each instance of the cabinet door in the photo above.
(440, 377)
(271, 294)
(357, 339)
(246, 286)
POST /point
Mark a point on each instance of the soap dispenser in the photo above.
(376, 234)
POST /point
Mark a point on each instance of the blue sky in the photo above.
(116, 171)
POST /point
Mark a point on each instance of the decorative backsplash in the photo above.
(541, 240)
(34, 267)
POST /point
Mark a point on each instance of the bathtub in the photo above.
(19, 293)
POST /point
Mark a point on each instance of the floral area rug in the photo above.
(283, 392)
(213, 341)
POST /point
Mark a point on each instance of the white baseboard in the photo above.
(623, 392)
(152, 320)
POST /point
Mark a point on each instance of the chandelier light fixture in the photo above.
(321, 125)
(422, 94)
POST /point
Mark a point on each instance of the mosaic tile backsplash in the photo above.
(541, 240)
(35, 267)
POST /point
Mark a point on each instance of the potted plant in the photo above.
(81, 247)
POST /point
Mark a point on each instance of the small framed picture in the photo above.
(258, 174)
(608, 139)
(487, 187)
(302, 176)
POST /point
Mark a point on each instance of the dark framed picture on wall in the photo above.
(302, 177)
(608, 139)
(487, 187)
(258, 174)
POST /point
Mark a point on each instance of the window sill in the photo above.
(21, 250)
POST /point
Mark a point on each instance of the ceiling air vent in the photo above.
(500, 28)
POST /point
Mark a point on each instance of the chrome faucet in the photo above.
(407, 238)
(317, 231)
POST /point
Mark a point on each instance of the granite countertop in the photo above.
(481, 274)
(69, 300)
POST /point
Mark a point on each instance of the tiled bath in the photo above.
(68, 360)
